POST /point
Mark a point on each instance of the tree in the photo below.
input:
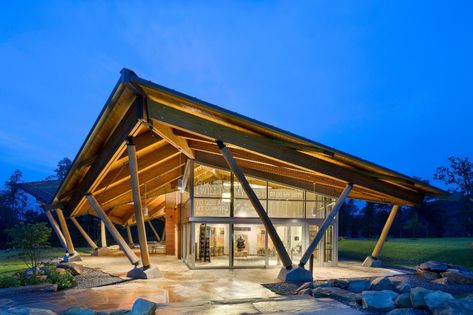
(414, 224)
(458, 175)
(61, 170)
(30, 239)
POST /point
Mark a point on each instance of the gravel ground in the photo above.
(91, 278)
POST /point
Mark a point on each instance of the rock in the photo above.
(403, 287)
(455, 307)
(458, 267)
(143, 307)
(403, 300)
(433, 265)
(429, 275)
(458, 277)
(74, 269)
(307, 285)
(306, 291)
(382, 283)
(78, 311)
(417, 296)
(119, 312)
(358, 286)
(434, 299)
(378, 300)
(441, 281)
(337, 293)
(27, 311)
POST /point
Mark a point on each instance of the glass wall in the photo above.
(249, 245)
(224, 229)
(212, 192)
(211, 245)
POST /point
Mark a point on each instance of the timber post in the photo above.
(147, 271)
(134, 260)
(373, 260)
(56, 229)
(72, 255)
(84, 233)
(130, 237)
(154, 230)
(103, 235)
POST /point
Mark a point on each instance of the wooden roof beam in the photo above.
(167, 133)
(266, 147)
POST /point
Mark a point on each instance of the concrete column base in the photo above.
(140, 273)
(71, 258)
(371, 261)
(295, 274)
(102, 251)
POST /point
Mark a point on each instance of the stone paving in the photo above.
(211, 291)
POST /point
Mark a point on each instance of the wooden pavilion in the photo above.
(141, 158)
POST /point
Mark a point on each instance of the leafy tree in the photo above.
(368, 220)
(414, 224)
(30, 239)
(61, 170)
(458, 175)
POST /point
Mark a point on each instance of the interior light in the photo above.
(226, 197)
(145, 211)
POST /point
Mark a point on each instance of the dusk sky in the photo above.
(388, 81)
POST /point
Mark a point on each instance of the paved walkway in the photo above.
(207, 289)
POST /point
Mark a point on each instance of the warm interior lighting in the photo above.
(145, 211)
(226, 197)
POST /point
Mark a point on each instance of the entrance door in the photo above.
(291, 236)
(249, 245)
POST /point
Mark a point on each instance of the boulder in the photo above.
(307, 285)
(337, 293)
(382, 283)
(306, 291)
(427, 274)
(417, 296)
(433, 265)
(455, 307)
(78, 311)
(441, 281)
(458, 267)
(403, 287)
(358, 286)
(403, 300)
(143, 307)
(74, 269)
(434, 299)
(458, 277)
(378, 300)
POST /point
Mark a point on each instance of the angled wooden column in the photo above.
(130, 237)
(72, 255)
(84, 233)
(328, 220)
(103, 235)
(278, 244)
(154, 230)
(139, 216)
(373, 261)
(134, 260)
(56, 229)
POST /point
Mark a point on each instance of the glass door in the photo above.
(291, 236)
(249, 245)
(211, 245)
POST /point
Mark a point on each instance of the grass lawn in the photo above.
(11, 263)
(406, 252)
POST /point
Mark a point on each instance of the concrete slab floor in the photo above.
(178, 284)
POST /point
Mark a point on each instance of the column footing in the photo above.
(102, 251)
(140, 273)
(71, 258)
(371, 261)
(295, 274)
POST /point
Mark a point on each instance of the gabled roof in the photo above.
(43, 191)
(171, 127)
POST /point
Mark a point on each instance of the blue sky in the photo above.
(389, 81)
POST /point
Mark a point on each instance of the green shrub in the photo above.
(11, 281)
(63, 281)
